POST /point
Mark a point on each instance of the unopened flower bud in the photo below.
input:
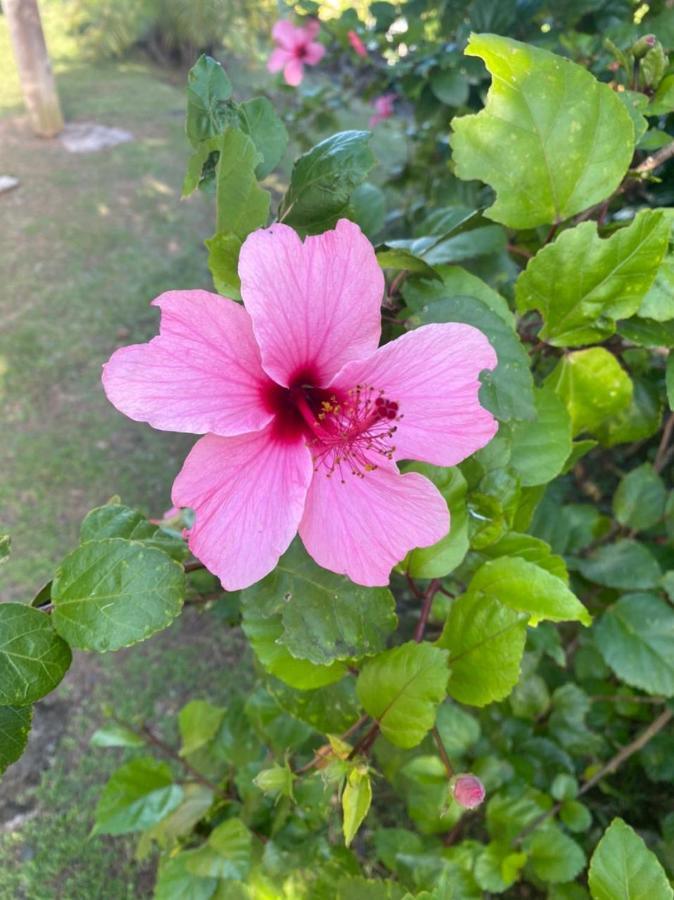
(468, 791)
(643, 45)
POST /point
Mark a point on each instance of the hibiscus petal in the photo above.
(278, 58)
(314, 305)
(311, 29)
(248, 495)
(286, 34)
(362, 527)
(313, 54)
(432, 373)
(293, 72)
(201, 374)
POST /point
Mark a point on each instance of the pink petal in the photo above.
(293, 72)
(286, 34)
(432, 374)
(363, 526)
(248, 495)
(202, 373)
(278, 58)
(310, 30)
(314, 305)
(313, 54)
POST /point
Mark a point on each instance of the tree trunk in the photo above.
(37, 79)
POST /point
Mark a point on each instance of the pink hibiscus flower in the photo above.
(383, 109)
(357, 44)
(296, 49)
(304, 418)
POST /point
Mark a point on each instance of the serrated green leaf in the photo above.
(208, 90)
(635, 637)
(356, 800)
(117, 521)
(540, 449)
(551, 139)
(531, 549)
(227, 854)
(626, 565)
(658, 304)
(323, 179)
(112, 593)
(241, 204)
(267, 131)
(137, 796)
(592, 385)
(33, 658)
(554, 857)
(623, 868)
(582, 283)
(495, 868)
(507, 392)
(443, 557)
(199, 722)
(639, 500)
(401, 688)
(485, 641)
(15, 724)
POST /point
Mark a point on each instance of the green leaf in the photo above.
(458, 729)
(551, 140)
(176, 882)
(539, 449)
(485, 641)
(112, 593)
(497, 867)
(592, 385)
(450, 86)
(356, 800)
(208, 90)
(639, 420)
(582, 283)
(623, 868)
(136, 797)
(323, 179)
(554, 857)
(647, 332)
(459, 281)
(404, 260)
(199, 722)
(325, 616)
(639, 500)
(33, 658)
(367, 208)
(223, 262)
(197, 800)
(575, 815)
(5, 543)
(227, 854)
(195, 165)
(114, 735)
(658, 304)
(507, 392)
(14, 729)
(401, 689)
(116, 521)
(241, 204)
(626, 565)
(443, 557)
(525, 587)
(635, 637)
(669, 380)
(531, 549)
(267, 131)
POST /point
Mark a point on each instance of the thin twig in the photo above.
(194, 566)
(426, 605)
(318, 757)
(662, 454)
(623, 698)
(657, 159)
(446, 761)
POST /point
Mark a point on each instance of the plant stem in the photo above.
(320, 756)
(662, 455)
(657, 159)
(194, 566)
(427, 602)
(446, 761)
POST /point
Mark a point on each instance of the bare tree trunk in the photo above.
(37, 79)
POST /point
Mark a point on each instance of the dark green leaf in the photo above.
(136, 797)
(33, 658)
(554, 857)
(208, 90)
(260, 122)
(116, 521)
(241, 204)
(627, 565)
(14, 728)
(540, 449)
(639, 500)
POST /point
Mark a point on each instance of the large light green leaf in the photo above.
(241, 204)
(176, 882)
(136, 797)
(623, 868)
(526, 587)
(356, 800)
(658, 304)
(539, 449)
(227, 854)
(554, 857)
(117, 521)
(14, 728)
(442, 558)
(112, 593)
(199, 722)
(401, 688)
(485, 640)
(582, 283)
(626, 565)
(33, 658)
(259, 120)
(592, 385)
(639, 500)
(323, 179)
(208, 90)
(530, 548)
(507, 392)
(551, 140)
(636, 638)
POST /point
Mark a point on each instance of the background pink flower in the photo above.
(304, 417)
(383, 109)
(357, 44)
(468, 791)
(296, 47)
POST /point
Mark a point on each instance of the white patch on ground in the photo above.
(7, 182)
(88, 137)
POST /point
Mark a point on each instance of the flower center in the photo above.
(347, 433)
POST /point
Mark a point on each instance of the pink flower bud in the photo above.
(468, 791)
(357, 44)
